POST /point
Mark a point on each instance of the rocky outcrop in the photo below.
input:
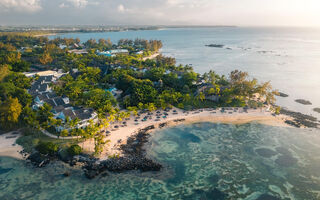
(281, 94)
(303, 101)
(300, 119)
(134, 158)
(39, 160)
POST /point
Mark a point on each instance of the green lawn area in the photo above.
(30, 139)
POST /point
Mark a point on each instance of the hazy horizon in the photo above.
(243, 13)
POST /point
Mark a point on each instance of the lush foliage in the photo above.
(74, 150)
(49, 148)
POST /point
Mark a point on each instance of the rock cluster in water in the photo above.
(300, 119)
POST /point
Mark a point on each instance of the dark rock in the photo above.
(90, 174)
(38, 159)
(280, 94)
(316, 110)
(163, 125)
(64, 156)
(66, 174)
(215, 45)
(179, 120)
(303, 101)
(104, 174)
(300, 119)
(292, 123)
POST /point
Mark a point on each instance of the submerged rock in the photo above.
(212, 194)
(264, 152)
(303, 101)
(66, 174)
(286, 161)
(267, 197)
(5, 170)
(316, 110)
(215, 45)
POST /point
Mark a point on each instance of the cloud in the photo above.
(166, 12)
(78, 3)
(20, 5)
(63, 5)
(122, 9)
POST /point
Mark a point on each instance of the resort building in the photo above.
(78, 51)
(112, 53)
(61, 107)
(56, 74)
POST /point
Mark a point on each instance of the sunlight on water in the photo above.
(202, 161)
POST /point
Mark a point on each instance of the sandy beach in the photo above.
(45, 35)
(8, 146)
(119, 132)
(118, 136)
(151, 57)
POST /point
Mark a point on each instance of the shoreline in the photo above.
(8, 146)
(151, 57)
(44, 35)
(120, 136)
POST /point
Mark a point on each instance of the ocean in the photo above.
(201, 161)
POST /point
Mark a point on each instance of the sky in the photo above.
(161, 12)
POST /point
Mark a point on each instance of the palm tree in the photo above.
(201, 96)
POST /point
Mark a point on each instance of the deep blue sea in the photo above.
(288, 57)
(206, 160)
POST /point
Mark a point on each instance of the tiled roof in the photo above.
(69, 113)
(52, 95)
(43, 87)
(83, 114)
(43, 97)
(59, 101)
(50, 102)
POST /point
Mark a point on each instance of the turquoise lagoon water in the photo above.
(288, 57)
(201, 161)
